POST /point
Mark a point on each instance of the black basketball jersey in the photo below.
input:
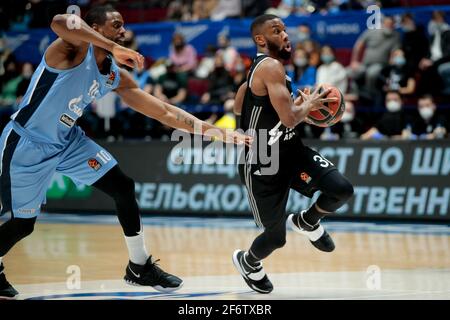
(259, 114)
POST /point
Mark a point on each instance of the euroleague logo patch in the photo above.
(94, 164)
(111, 78)
(305, 177)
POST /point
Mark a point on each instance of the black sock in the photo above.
(312, 216)
(251, 259)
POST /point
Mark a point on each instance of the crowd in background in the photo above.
(396, 85)
(22, 14)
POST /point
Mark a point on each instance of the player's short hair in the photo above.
(97, 14)
(259, 21)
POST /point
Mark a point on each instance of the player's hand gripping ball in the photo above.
(331, 116)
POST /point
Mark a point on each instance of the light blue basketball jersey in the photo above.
(42, 137)
(55, 99)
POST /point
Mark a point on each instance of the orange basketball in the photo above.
(323, 118)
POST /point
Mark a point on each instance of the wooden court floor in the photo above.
(413, 260)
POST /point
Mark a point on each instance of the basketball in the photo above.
(323, 118)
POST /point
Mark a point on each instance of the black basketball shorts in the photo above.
(268, 194)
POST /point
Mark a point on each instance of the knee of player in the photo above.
(24, 227)
(128, 184)
(278, 241)
(344, 189)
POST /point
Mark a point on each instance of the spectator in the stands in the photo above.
(392, 122)
(240, 73)
(228, 119)
(302, 34)
(226, 9)
(312, 48)
(303, 74)
(27, 72)
(201, 9)
(130, 40)
(435, 69)
(254, 8)
(350, 126)
(377, 45)
(8, 67)
(415, 43)
(396, 76)
(229, 53)
(8, 92)
(206, 64)
(182, 55)
(350, 5)
(172, 86)
(178, 10)
(288, 7)
(330, 71)
(220, 84)
(428, 123)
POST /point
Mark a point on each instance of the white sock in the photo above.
(1, 258)
(136, 248)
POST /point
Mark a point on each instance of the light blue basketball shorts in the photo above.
(27, 167)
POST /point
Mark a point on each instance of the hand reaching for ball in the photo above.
(315, 101)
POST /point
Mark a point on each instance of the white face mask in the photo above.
(426, 113)
(393, 106)
(300, 62)
(347, 117)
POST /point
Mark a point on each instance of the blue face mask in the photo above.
(302, 36)
(399, 61)
(326, 58)
(407, 28)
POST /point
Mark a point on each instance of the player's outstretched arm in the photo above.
(291, 114)
(170, 115)
(78, 34)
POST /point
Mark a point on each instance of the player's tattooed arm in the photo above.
(180, 117)
(171, 115)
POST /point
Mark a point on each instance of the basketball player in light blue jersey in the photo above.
(42, 136)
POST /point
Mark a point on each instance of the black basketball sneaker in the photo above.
(316, 234)
(7, 292)
(151, 275)
(255, 277)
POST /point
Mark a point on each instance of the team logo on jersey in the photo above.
(112, 77)
(305, 177)
(73, 106)
(94, 90)
(94, 164)
(67, 120)
(275, 134)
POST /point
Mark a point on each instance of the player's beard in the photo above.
(282, 54)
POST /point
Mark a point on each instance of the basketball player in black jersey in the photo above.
(266, 106)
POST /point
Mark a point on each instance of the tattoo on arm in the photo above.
(188, 121)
